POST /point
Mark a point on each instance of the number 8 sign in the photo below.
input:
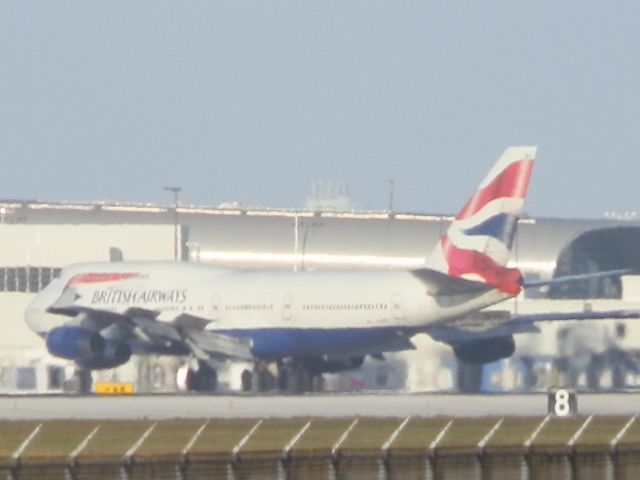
(562, 402)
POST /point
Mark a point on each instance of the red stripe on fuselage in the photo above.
(98, 277)
(462, 262)
(512, 182)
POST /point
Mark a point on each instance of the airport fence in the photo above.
(329, 449)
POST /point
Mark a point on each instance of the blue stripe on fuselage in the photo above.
(286, 342)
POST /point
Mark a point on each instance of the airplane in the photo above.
(305, 322)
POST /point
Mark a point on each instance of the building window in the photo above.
(26, 378)
(11, 280)
(26, 279)
(21, 279)
(55, 377)
(45, 277)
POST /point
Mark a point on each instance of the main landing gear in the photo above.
(283, 377)
(261, 379)
(296, 377)
(469, 377)
(201, 378)
(80, 383)
(291, 376)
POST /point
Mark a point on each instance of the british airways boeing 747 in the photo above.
(309, 323)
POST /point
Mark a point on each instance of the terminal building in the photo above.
(39, 238)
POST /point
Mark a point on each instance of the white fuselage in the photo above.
(291, 312)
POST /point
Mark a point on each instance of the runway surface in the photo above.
(320, 405)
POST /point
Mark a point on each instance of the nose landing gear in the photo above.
(80, 383)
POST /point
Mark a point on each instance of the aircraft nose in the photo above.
(33, 316)
(36, 315)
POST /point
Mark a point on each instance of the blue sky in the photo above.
(252, 101)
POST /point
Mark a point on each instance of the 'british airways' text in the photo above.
(112, 296)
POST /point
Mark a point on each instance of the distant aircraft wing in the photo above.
(579, 315)
(499, 323)
(577, 278)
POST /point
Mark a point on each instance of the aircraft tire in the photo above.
(317, 383)
(295, 378)
(298, 380)
(620, 363)
(265, 380)
(594, 371)
(284, 376)
(246, 380)
(618, 377)
(529, 376)
(81, 383)
(469, 377)
(205, 379)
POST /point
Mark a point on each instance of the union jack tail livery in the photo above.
(478, 242)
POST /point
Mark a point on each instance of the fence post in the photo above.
(483, 443)
(383, 461)
(572, 449)
(612, 469)
(127, 459)
(231, 467)
(72, 458)
(430, 464)
(333, 466)
(182, 463)
(283, 467)
(14, 460)
(526, 454)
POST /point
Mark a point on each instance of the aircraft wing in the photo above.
(148, 332)
(204, 344)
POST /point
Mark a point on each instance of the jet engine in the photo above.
(74, 342)
(485, 350)
(115, 353)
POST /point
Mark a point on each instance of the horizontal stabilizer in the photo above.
(438, 283)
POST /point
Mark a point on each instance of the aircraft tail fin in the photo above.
(478, 243)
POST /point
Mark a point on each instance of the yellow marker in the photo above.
(114, 388)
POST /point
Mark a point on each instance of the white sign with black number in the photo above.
(562, 402)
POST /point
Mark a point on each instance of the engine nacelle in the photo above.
(114, 354)
(485, 350)
(74, 343)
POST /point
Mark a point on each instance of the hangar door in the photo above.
(595, 251)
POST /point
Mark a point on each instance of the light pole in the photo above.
(175, 191)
